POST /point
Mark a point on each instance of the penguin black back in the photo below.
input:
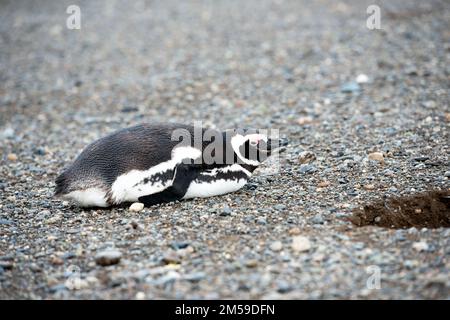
(135, 148)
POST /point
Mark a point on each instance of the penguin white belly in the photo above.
(215, 182)
(91, 197)
(203, 189)
(134, 184)
(137, 183)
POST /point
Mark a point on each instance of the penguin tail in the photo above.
(62, 185)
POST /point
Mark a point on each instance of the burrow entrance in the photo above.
(424, 210)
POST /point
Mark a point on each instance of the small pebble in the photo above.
(7, 133)
(12, 157)
(279, 207)
(420, 246)
(7, 265)
(350, 87)
(261, 221)
(376, 156)
(306, 157)
(399, 235)
(304, 120)
(43, 214)
(40, 151)
(54, 219)
(362, 78)
(226, 211)
(300, 244)
(195, 277)
(134, 224)
(294, 231)
(317, 219)
(136, 207)
(284, 287)
(57, 261)
(108, 257)
(307, 168)
(171, 257)
(140, 295)
(177, 245)
(252, 263)
(276, 246)
(323, 184)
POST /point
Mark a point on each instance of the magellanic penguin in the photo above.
(160, 163)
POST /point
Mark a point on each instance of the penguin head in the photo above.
(253, 147)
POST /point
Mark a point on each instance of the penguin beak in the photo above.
(277, 144)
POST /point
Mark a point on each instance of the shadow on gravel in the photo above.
(425, 210)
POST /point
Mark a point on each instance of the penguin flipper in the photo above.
(165, 196)
(184, 175)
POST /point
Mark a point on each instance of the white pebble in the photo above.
(300, 244)
(137, 207)
(276, 246)
(140, 295)
(420, 246)
(362, 78)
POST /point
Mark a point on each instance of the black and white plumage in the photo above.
(145, 163)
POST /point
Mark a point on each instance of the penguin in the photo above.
(163, 162)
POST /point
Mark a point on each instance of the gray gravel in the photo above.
(290, 65)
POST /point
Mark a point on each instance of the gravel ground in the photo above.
(288, 65)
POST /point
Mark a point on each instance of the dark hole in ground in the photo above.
(425, 210)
